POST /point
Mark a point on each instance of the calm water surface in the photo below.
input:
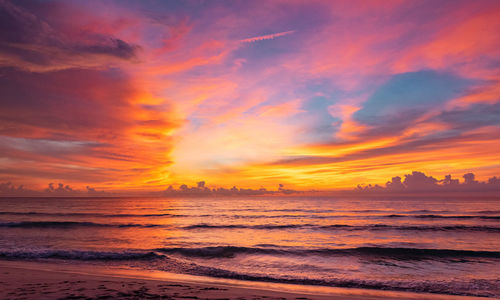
(425, 245)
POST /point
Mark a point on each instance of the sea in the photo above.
(420, 244)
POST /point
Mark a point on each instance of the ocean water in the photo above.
(449, 246)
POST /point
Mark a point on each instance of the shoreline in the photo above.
(46, 280)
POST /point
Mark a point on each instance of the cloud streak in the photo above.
(267, 36)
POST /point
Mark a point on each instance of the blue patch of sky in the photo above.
(411, 92)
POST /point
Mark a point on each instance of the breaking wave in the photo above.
(416, 253)
(68, 224)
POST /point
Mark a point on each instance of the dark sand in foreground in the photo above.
(30, 280)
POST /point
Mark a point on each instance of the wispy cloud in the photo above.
(267, 36)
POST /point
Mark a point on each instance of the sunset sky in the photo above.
(309, 94)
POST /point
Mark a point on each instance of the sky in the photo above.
(127, 95)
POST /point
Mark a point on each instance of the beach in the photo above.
(34, 280)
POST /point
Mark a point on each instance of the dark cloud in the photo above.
(419, 182)
(201, 190)
(471, 117)
(109, 46)
(60, 189)
(7, 189)
(29, 42)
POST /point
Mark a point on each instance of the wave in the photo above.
(489, 212)
(287, 210)
(344, 227)
(65, 224)
(204, 226)
(287, 216)
(241, 226)
(377, 216)
(484, 288)
(232, 251)
(79, 255)
(48, 214)
(408, 253)
(430, 216)
(435, 228)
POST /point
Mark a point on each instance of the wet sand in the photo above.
(32, 280)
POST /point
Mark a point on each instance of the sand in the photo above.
(33, 280)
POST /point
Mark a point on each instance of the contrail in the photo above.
(267, 37)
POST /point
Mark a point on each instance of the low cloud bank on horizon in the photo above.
(416, 182)
(419, 182)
